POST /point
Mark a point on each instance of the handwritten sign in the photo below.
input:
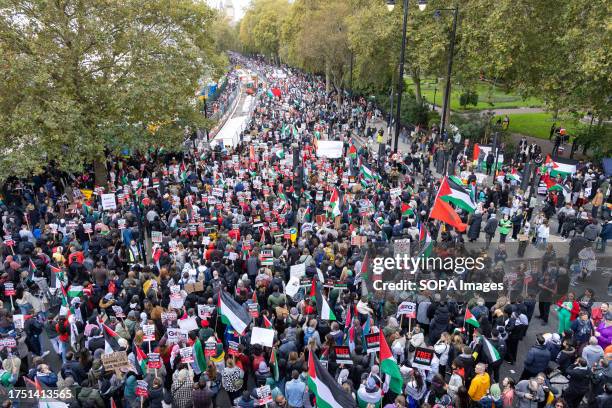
(109, 202)
(115, 361)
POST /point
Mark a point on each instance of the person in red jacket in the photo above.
(62, 327)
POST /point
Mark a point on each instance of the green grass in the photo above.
(538, 124)
(489, 96)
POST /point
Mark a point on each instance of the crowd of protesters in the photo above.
(85, 277)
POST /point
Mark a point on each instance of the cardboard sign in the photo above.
(422, 358)
(186, 355)
(154, 360)
(254, 310)
(210, 349)
(156, 237)
(116, 361)
(121, 223)
(264, 395)
(176, 300)
(9, 289)
(109, 202)
(142, 388)
(233, 348)
(343, 355)
(372, 342)
(149, 332)
(194, 287)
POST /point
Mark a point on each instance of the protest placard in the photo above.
(372, 342)
(186, 354)
(156, 237)
(154, 360)
(262, 336)
(116, 361)
(108, 201)
(343, 355)
(149, 332)
(423, 358)
(210, 349)
(264, 395)
(407, 309)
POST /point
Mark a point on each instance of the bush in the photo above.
(411, 113)
(473, 126)
(468, 98)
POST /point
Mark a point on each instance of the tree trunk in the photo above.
(417, 86)
(100, 173)
(328, 83)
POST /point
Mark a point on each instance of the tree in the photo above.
(260, 28)
(81, 79)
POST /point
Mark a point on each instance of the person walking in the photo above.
(537, 359)
(490, 228)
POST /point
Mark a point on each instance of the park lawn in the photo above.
(538, 124)
(488, 97)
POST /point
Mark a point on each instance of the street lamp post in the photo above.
(449, 71)
(400, 82)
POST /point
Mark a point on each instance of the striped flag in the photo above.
(111, 339)
(334, 203)
(232, 313)
(490, 352)
(453, 192)
(324, 311)
(326, 389)
(141, 360)
(425, 241)
(274, 364)
(470, 318)
(199, 356)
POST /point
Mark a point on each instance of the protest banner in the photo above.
(210, 349)
(233, 348)
(262, 336)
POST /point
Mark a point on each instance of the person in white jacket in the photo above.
(441, 349)
(455, 381)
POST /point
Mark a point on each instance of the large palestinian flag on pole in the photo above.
(389, 366)
(324, 311)
(453, 192)
(560, 167)
(326, 389)
(232, 313)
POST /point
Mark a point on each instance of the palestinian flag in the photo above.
(458, 180)
(442, 211)
(352, 151)
(324, 311)
(111, 339)
(489, 350)
(407, 211)
(270, 94)
(141, 360)
(454, 192)
(334, 203)
(280, 153)
(380, 221)
(366, 172)
(54, 269)
(326, 389)
(560, 168)
(232, 313)
(389, 366)
(425, 242)
(267, 322)
(32, 265)
(470, 318)
(199, 356)
(75, 291)
(274, 365)
(560, 188)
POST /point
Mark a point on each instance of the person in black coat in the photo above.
(537, 359)
(579, 375)
(474, 223)
(439, 323)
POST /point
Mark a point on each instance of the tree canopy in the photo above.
(558, 50)
(83, 78)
